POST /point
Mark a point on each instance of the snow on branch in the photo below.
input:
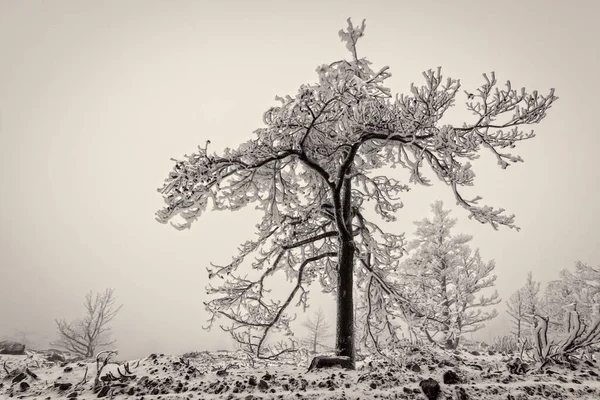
(312, 169)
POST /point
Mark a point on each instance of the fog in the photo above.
(96, 97)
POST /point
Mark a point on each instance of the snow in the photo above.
(227, 375)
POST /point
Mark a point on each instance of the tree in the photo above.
(516, 309)
(318, 331)
(580, 287)
(532, 302)
(447, 275)
(82, 337)
(524, 305)
(312, 171)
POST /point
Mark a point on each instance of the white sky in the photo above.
(95, 97)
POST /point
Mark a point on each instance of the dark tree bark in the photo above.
(345, 302)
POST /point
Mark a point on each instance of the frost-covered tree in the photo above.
(516, 310)
(580, 287)
(318, 331)
(524, 305)
(84, 336)
(531, 300)
(448, 276)
(312, 170)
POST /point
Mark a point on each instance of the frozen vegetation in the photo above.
(423, 373)
(403, 308)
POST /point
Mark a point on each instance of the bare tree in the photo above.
(318, 330)
(312, 170)
(83, 337)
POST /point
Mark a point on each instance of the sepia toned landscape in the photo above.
(299, 201)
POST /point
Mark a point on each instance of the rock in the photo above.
(65, 386)
(104, 391)
(431, 388)
(72, 395)
(263, 385)
(413, 366)
(12, 348)
(517, 367)
(446, 363)
(68, 369)
(331, 361)
(55, 357)
(475, 353)
(476, 366)
(24, 386)
(461, 393)
(19, 377)
(451, 378)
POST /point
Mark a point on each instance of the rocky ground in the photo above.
(229, 375)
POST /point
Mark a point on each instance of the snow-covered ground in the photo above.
(228, 375)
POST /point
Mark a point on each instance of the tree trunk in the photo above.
(345, 302)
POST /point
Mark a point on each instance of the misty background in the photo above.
(96, 97)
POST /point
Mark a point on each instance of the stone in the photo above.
(104, 391)
(19, 377)
(55, 357)
(461, 393)
(413, 366)
(12, 348)
(263, 385)
(451, 378)
(431, 388)
(330, 362)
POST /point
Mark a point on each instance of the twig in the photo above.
(6, 369)
(34, 376)
(84, 377)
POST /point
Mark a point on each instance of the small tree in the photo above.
(82, 337)
(313, 170)
(318, 330)
(531, 300)
(580, 286)
(516, 309)
(448, 275)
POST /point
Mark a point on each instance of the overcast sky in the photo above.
(96, 97)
